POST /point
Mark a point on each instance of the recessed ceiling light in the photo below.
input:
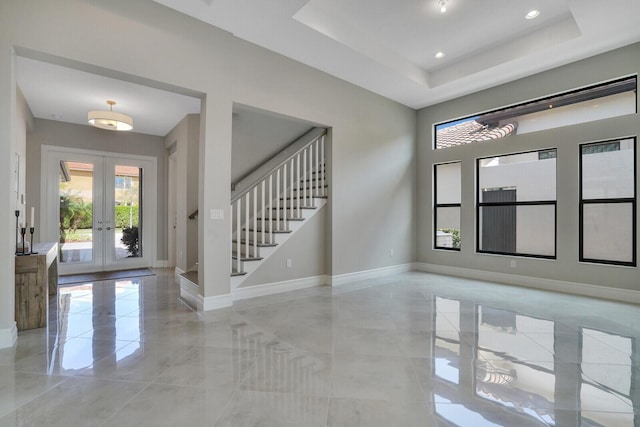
(439, 55)
(532, 14)
(442, 4)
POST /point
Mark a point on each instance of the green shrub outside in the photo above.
(122, 217)
(456, 236)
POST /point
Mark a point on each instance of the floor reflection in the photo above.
(540, 372)
(88, 323)
(412, 349)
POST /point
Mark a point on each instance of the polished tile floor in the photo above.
(407, 350)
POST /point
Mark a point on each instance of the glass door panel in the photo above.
(125, 189)
(78, 198)
(76, 212)
(127, 212)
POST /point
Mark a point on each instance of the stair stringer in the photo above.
(265, 253)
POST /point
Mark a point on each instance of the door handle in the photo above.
(99, 228)
(108, 228)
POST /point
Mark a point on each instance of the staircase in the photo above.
(275, 206)
(269, 205)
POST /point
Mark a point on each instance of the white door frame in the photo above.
(49, 203)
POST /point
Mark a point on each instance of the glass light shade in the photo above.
(110, 120)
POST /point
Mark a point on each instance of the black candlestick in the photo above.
(31, 231)
(17, 216)
(23, 231)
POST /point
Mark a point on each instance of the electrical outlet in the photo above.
(289, 263)
(391, 252)
(513, 263)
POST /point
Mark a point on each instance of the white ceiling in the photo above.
(385, 46)
(65, 94)
(388, 46)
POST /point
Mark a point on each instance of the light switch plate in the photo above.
(216, 214)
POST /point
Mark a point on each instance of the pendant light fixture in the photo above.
(110, 120)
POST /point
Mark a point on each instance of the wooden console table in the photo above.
(36, 279)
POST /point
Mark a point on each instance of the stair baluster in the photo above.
(238, 234)
(323, 165)
(247, 231)
(299, 185)
(271, 207)
(295, 182)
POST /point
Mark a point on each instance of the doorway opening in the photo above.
(101, 209)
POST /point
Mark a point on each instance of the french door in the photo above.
(100, 208)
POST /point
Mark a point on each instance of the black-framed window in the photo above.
(613, 98)
(447, 206)
(516, 204)
(608, 202)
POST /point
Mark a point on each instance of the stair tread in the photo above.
(191, 276)
(294, 207)
(260, 245)
(313, 187)
(282, 219)
(266, 231)
(309, 185)
(314, 196)
(247, 258)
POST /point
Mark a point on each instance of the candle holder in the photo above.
(17, 216)
(31, 231)
(23, 231)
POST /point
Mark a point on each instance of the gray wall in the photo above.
(566, 267)
(24, 124)
(372, 143)
(258, 135)
(51, 132)
(185, 140)
(306, 249)
(371, 152)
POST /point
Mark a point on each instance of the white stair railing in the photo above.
(267, 207)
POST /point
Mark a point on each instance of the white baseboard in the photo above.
(313, 281)
(189, 292)
(214, 302)
(161, 263)
(177, 272)
(278, 287)
(602, 292)
(342, 279)
(8, 336)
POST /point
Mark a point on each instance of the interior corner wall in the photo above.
(59, 134)
(186, 138)
(371, 216)
(177, 141)
(610, 65)
(24, 122)
(192, 186)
